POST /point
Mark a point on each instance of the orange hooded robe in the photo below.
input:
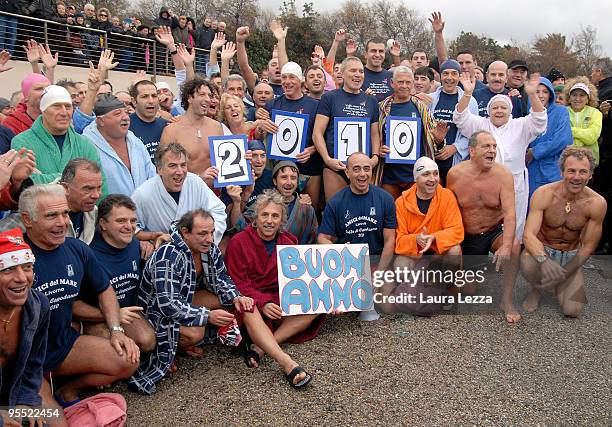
(443, 220)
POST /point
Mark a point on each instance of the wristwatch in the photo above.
(541, 258)
(116, 328)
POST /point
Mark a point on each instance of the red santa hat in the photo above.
(14, 250)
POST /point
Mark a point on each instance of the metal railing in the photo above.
(77, 45)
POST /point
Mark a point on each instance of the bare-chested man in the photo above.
(195, 127)
(485, 192)
(562, 231)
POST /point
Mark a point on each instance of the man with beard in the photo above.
(144, 122)
(301, 216)
(361, 213)
(563, 228)
(195, 127)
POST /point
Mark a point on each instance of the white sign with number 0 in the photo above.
(290, 139)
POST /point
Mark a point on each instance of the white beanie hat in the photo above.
(162, 85)
(422, 165)
(292, 68)
(499, 98)
(54, 94)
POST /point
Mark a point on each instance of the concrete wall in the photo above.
(10, 81)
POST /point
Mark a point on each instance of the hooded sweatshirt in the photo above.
(586, 128)
(443, 220)
(547, 148)
(171, 22)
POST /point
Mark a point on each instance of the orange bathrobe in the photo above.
(442, 220)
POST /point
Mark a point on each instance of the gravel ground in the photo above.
(451, 369)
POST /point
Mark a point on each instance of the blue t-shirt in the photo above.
(122, 266)
(339, 103)
(149, 133)
(396, 173)
(483, 96)
(277, 89)
(62, 274)
(359, 218)
(444, 111)
(304, 105)
(379, 82)
(250, 116)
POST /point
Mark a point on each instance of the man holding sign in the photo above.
(345, 119)
(286, 134)
(251, 262)
(361, 213)
(422, 135)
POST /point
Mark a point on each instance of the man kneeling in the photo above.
(65, 268)
(563, 228)
(428, 223)
(118, 252)
(190, 299)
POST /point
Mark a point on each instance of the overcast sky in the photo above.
(519, 20)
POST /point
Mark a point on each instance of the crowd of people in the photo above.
(69, 31)
(110, 200)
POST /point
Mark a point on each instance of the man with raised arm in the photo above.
(193, 130)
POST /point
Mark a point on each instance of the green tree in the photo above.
(552, 51)
(302, 35)
(485, 48)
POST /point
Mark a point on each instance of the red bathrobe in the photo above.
(256, 276)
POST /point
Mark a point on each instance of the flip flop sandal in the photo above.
(295, 372)
(249, 354)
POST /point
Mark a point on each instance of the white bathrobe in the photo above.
(156, 208)
(513, 138)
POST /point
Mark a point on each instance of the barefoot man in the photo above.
(193, 130)
(485, 192)
(562, 231)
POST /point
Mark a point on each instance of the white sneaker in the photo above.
(369, 316)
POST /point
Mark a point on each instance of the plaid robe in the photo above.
(166, 292)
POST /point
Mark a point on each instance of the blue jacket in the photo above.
(461, 141)
(547, 148)
(27, 371)
(120, 179)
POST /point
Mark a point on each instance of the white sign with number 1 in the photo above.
(351, 135)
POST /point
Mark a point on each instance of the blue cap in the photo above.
(256, 144)
(450, 64)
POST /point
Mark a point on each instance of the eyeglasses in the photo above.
(103, 16)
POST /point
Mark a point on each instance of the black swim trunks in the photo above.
(340, 172)
(481, 243)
